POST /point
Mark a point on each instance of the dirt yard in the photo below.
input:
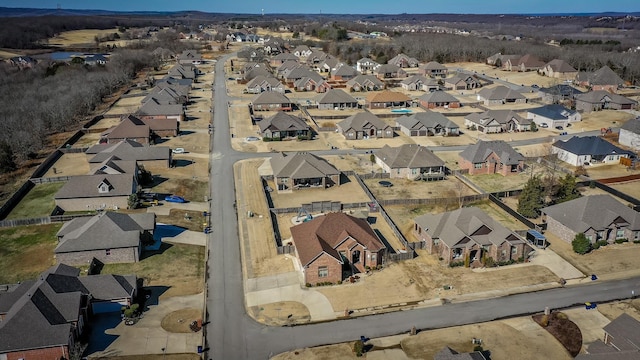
(348, 192)
(411, 189)
(178, 321)
(630, 188)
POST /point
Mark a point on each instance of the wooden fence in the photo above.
(286, 249)
(46, 180)
(41, 220)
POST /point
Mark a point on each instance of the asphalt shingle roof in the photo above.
(362, 120)
(335, 96)
(408, 156)
(478, 152)
(428, 119)
(589, 145)
(283, 121)
(553, 112)
(301, 166)
(499, 93)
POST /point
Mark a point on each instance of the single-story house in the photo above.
(190, 57)
(387, 99)
(469, 233)
(286, 67)
(303, 170)
(109, 237)
(336, 99)
(588, 149)
(183, 71)
(500, 95)
(148, 156)
(553, 115)
(312, 83)
(302, 51)
(129, 128)
(410, 161)
(602, 79)
(449, 354)
(165, 96)
(603, 100)
(497, 121)
(403, 61)
(290, 76)
(389, 71)
(366, 65)
(96, 192)
(364, 125)
(630, 134)
(428, 123)
(281, 58)
(598, 217)
(559, 69)
(284, 126)
(439, 99)
(462, 82)
(271, 101)
(263, 83)
(365, 83)
(343, 72)
(415, 82)
(152, 110)
(558, 93)
(434, 69)
(621, 341)
(331, 243)
(45, 318)
(491, 157)
(524, 63)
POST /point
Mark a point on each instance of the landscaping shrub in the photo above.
(636, 241)
(479, 347)
(544, 322)
(581, 244)
(358, 348)
(561, 315)
(489, 262)
(456, 264)
(308, 285)
(621, 240)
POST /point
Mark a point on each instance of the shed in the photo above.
(536, 238)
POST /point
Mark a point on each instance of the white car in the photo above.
(178, 151)
(252, 138)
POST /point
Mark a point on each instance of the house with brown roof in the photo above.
(165, 96)
(410, 161)
(439, 99)
(469, 233)
(491, 157)
(389, 71)
(428, 123)
(141, 131)
(602, 79)
(403, 61)
(315, 82)
(152, 110)
(462, 82)
(283, 126)
(434, 69)
(418, 82)
(364, 125)
(500, 95)
(524, 63)
(336, 99)
(129, 150)
(603, 100)
(331, 243)
(286, 67)
(559, 69)
(271, 101)
(263, 83)
(387, 99)
(365, 83)
(281, 58)
(497, 121)
(303, 170)
(343, 72)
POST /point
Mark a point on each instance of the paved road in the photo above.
(232, 334)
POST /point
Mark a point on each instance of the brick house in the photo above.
(272, 101)
(599, 217)
(365, 83)
(468, 233)
(621, 341)
(336, 99)
(403, 61)
(109, 237)
(439, 99)
(303, 170)
(491, 157)
(497, 121)
(410, 161)
(364, 125)
(428, 123)
(500, 95)
(148, 156)
(335, 244)
(389, 71)
(603, 100)
(602, 79)
(152, 110)
(284, 126)
(559, 69)
(387, 99)
(462, 82)
(434, 69)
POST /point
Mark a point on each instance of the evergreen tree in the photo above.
(568, 189)
(531, 199)
(581, 244)
(7, 163)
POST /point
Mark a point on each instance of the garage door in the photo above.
(106, 307)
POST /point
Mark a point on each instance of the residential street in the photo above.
(232, 334)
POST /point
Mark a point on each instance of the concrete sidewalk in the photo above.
(187, 237)
(165, 207)
(549, 259)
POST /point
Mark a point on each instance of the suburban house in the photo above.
(468, 233)
(151, 156)
(630, 134)
(449, 354)
(416, 82)
(297, 73)
(598, 217)
(621, 341)
(271, 101)
(287, 67)
(500, 95)
(109, 237)
(491, 157)
(579, 151)
(302, 51)
(263, 83)
(179, 71)
(553, 115)
(560, 69)
(253, 72)
(315, 82)
(558, 93)
(97, 59)
(281, 58)
(603, 100)
(45, 317)
(462, 82)
(165, 96)
(273, 45)
(524, 63)
(364, 125)
(343, 72)
(97, 192)
(303, 170)
(326, 65)
(332, 243)
(497, 121)
(366, 65)
(365, 83)
(403, 61)
(181, 86)
(428, 123)
(410, 161)
(190, 57)
(389, 71)
(284, 126)
(434, 69)
(336, 99)
(439, 99)
(141, 131)
(152, 110)
(115, 166)
(387, 99)
(602, 79)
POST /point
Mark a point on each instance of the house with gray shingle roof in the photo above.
(560, 69)
(389, 71)
(500, 95)
(602, 79)
(558, 93)
(366, 65)
(603, 100)
(314, 82)
(428, 123)
(588, 149)
(621, 341)
(109, 237)
(44, 318)
(491, 157)
(165, 96)
(497, 121)
(553, 115)
(598, 217)
(332, 242)
(439, 99)
(96, 192)
(263, 83)
(468, 233)
(180, 71)
(343, 72)
(303, 170)
(190, 57)
(365, 83)
(410, 161)
(152, 110)
(434, 69)
(336, 99)
(302, 51)
(523, 63)
(630, 134)
(364, 125)
(403, 61)
(416, 82)
(281, 58)
(151, 156)
(271, 101)
(462, 82)
(284, 126)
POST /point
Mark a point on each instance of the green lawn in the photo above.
(26, 251)
(38, 202)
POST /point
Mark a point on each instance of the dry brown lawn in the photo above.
(70, 164)
(604, 171)
(349, 192)
(192, 356)
(630, 188)
(519, 78)
(614, 309)
(178, 321)
(281, 313)
(412, 189)
(79, 37)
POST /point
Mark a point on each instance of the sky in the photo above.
(342, 6)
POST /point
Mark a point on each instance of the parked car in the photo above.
(148, 196)
(385, 183)
(178, 151)
(544, 125)
(175, 199)
(559, 128)
(252, 138)
(563, 133)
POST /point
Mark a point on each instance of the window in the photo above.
(636, 235)
(477, 165)
(285, 180)
(414, 171)
(373, 258)
(600, 235)
(589, 237)
(620, 234)
(514, 250)
(323, 271)
(107, 252)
